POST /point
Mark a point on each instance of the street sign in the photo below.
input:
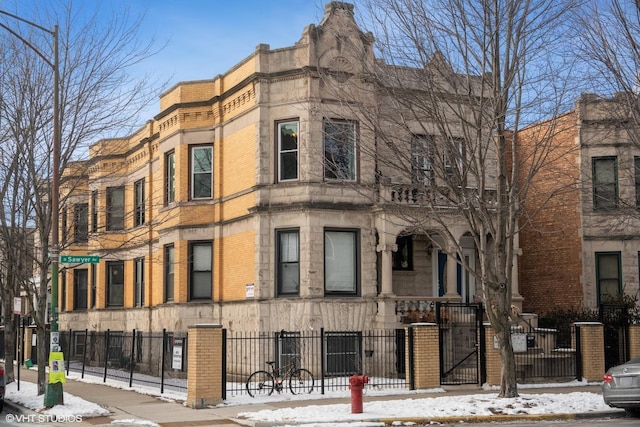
(79, 259)
(17, 305)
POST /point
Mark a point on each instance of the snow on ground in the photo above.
(445, 406)
(28, 397)
(403, 405)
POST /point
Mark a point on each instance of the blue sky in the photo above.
(203, 38)
(207, 37)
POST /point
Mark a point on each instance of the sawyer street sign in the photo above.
(79, 259)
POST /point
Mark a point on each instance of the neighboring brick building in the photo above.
(252, 201)
(581, 236)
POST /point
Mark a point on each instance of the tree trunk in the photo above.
(508, 381)
(43, 359)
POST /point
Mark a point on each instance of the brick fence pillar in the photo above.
(426, 356)
(591, 350)
(493, 363)
(204, 366)
(634, 341)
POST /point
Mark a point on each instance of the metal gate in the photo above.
(460, 327)
(615, 319)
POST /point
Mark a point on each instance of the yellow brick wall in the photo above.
(237, 168)
(122, 161)
(237, 261)
(100, 288)
(592, 350)
(634, 341)
(187, 92)
(181, 272)
(426, 356)
(239, 73)
(204, 369)
(155, 281)
(492, 358)
(128, 283)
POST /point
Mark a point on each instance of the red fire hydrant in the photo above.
(356, 384)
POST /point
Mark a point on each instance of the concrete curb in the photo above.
(500, 418)
(15, 407)
(451, 420)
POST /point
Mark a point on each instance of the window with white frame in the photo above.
(608, 275)
(94, 211)
(339, 150)
(138, 189)
(80, 288)
(115, 284)
(201, 266)
(81, 223)
(341, 259)
(454, 160)
(79, 343)
(423, 156)
(201, 172)
(115, 208)
(288, 261)
(288, 151)
(138, 297)
(343, 353)
(169, 267)
(94, 283)
(64, 225)
(605, 183)
(170, 177)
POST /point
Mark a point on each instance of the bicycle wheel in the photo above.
(301, 381)
(260, 383)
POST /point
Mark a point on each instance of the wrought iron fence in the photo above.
(545, 353)
(331, 356)
(151, 359)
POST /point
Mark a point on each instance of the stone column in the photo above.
(452, 277)
(204, 373)
(386, 276)
(591, 350)
(426, 356)
(515, 290)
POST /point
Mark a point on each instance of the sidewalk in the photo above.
(128, 407)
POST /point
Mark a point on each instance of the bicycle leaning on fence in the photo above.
(263, 383)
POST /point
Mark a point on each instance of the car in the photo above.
(621, 387)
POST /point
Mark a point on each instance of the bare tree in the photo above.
(453, 84)
(98, 97)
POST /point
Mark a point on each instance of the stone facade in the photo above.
(265, 233)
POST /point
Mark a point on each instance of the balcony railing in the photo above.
(408, 194)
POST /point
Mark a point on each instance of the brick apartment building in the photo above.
(251, 200)
(583, 244)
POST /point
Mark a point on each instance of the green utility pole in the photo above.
(53, 392)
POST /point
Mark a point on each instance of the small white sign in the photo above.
(55, 341)
(519, 343)
(176, 362)
(249, 291)
(17, 305)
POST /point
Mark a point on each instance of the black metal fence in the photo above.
(150, 359)
(615, 319)
(545, 353)
(160, 359)
(331, 356)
